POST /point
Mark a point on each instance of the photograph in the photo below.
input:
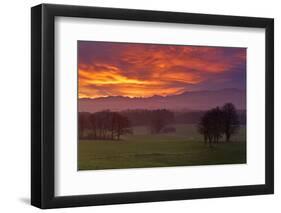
(160, 105)
(141, 105)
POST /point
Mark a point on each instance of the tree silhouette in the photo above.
(230, 120)
(211, 126)
(103, 125)
(83, 123)
(122, 126)
(93, 124)
(218, 122)
(203, 128)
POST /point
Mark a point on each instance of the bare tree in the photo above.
(218, 122)
(103, 125)
(122, 126)
(217, 126)
(210, 126)
(83, 123)
(93, 123)
(202, 129)
(230, 120)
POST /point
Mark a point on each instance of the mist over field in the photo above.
(137, 138)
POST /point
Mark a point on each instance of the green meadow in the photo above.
(185, 147)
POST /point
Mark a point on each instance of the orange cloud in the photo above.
(110, 81)
(139, 70)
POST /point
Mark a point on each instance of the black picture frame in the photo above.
(43, 111)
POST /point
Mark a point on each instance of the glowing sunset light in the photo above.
(144, 70)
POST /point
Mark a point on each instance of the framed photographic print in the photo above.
(139, 106)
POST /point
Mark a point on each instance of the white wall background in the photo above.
(15, 106)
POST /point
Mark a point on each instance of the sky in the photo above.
(144, 70)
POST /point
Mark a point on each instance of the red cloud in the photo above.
(146, 70)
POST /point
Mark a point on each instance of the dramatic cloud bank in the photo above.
(144, 70)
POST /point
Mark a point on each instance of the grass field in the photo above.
(182, 148)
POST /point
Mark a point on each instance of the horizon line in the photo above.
(163, 96)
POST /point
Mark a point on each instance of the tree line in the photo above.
(109, 125)
(213, 124)
(103, 125)
(219, 122)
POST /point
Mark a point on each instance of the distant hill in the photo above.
(194, 100)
